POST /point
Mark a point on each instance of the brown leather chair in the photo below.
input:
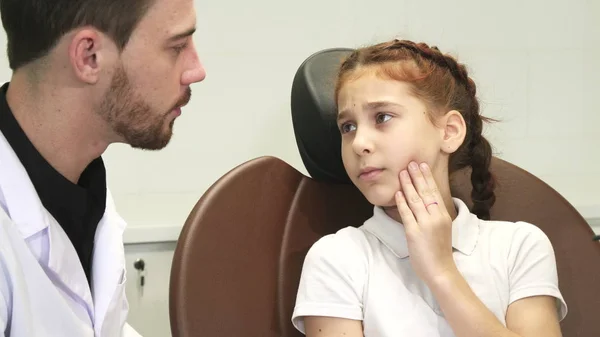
(238, 260)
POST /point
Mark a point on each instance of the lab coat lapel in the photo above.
(109, 270)
(26, 210)
(64, 262)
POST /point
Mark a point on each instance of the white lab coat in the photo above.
(43, 288)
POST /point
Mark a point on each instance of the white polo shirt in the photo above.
(365, 274)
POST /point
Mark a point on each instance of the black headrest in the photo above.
(314, 115)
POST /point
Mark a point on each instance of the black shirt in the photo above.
(78, 208)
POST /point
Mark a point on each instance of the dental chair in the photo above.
(237, 263)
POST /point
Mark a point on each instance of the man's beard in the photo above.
(134, 120)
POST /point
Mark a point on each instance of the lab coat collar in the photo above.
(19, 199)
(27, 212)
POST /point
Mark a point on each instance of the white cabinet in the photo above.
(149, 307)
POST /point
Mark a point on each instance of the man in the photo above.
(86, 74)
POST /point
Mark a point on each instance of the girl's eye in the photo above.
(347, 127)
(382, 117)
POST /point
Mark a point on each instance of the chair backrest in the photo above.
(238, 260)
(237, 263)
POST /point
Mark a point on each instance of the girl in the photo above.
(423, 264)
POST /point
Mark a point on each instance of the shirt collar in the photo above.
(465, 230)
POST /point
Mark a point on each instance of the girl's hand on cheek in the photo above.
(427, 223)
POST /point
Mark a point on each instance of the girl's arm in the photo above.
(428, 228)
(469, 317)
(332, 327)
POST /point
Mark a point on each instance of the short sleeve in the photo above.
(333, 278)
(533, 269)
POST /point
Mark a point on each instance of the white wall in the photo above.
(536, 64)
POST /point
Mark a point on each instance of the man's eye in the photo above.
(180, 48)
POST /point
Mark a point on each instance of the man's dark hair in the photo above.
(33, 27)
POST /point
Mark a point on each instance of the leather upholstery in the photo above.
(238, 260)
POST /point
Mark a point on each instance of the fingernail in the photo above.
(404, 174)
(413, 165)
(424, 166)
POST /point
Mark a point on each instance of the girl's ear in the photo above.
(453, 131)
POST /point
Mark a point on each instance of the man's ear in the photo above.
(453, 131)
(85, 52)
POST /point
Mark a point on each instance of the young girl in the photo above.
(423, 264)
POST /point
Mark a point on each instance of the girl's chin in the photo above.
(383, 202)
(380, 195)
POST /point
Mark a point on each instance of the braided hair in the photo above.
(443, 84)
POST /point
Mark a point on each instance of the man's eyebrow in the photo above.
(185, 34)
